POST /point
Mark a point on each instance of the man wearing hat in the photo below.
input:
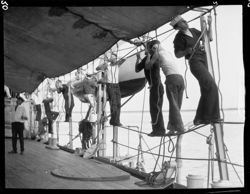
(185, 46)
(18, 125)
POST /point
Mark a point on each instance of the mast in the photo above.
(178, 158)
(218, 127)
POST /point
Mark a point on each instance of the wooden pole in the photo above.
(115, 140)
(57, 131)
(104, 135)
(99, 111)
(218, 127)
(70, 133)
(178, 160)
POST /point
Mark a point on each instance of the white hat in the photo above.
(176, 20)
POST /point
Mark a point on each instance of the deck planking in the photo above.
(33, 169)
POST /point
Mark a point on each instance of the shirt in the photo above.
(112, 73)
(152, 75)
(167, 63)
(20, 111)
(182, 42)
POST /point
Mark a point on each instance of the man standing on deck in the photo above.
(174, 83)
(156, 93)
(185, 41)
(18, 126)
(113, 90)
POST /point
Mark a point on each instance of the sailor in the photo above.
(174, 83)
(156, 93)
(51, 115)
(111, 80)
(84, 87)
(184, 42)
(18, 125)
(86, 129)
(68, 97)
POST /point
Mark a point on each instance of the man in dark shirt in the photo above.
(184, 43)
(156, 94)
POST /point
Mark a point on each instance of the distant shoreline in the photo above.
(185, 110)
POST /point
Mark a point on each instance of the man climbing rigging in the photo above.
(185, 46)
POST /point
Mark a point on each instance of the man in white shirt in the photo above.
(174, 83)
(113, 90)
(18, 126)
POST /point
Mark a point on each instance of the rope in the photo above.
(217, 56)
(149, 150)
(140, 136)
(185, 78)
(197, 42)
(171, 142)
(209, 141)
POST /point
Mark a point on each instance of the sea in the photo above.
(194, 145)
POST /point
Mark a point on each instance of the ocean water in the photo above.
(194, 144)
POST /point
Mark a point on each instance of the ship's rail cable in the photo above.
(149, 150)
(193, 159)
(233, 165)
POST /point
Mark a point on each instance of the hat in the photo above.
(176, 20)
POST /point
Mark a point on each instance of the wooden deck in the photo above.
(33, 169)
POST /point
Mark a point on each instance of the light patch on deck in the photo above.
(108, 173)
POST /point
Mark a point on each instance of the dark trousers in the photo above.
(174, 89)
(17, 129)
(155, 105)
(68, 110)
(114, 95)
(208, 107)
(51, 115)
(38, 112)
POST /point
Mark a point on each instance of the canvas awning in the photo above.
(42, 42)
